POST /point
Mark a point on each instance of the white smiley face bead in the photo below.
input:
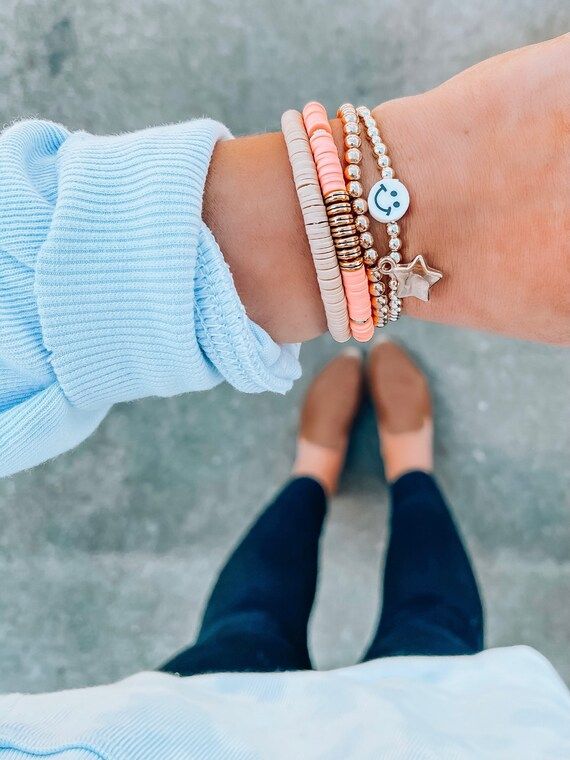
(388, 200)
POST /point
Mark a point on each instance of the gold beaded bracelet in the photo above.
(353, 156)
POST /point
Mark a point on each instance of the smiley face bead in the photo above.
(388, 200)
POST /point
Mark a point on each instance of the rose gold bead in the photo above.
(370, 256)
(346, 243)
(362, 223)
(375, 275)
(352, 172)
(359, 206)
(363, 111)
(348, 231)
(352, 254)
(338, 208)
(337, 196)
(351, 128)
(345, 107)
(351, 265)
(366, 240)
(353, 156)
(354, 189)
(378, 302)
(352, 141)
(340, 220)
(376, 289)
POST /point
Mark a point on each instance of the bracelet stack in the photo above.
(359, 287)
(336, 194)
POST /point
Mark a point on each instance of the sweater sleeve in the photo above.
(111, 286)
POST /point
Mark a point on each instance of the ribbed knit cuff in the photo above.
(126, 302)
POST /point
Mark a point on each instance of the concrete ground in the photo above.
(107, 553)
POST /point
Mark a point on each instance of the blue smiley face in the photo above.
(388, 200)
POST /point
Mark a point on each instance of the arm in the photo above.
(113, 287)
(486, 158)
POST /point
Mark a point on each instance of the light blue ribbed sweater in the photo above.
(111, 286)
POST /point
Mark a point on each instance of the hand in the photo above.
(486, 157)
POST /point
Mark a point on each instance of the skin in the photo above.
(486, 158)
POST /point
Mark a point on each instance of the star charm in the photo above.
(415, 279)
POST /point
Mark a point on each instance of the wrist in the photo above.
(409, 127)
(416, 141)
(251, 207)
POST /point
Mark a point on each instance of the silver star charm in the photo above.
(415, 279)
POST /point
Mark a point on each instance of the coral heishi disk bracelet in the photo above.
(359, 287)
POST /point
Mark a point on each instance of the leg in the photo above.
(431, 603)
(258, 612)
(257, 615)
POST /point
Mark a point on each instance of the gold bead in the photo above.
(352, 172)
(362, 223)
(353, 156)
(366, 240)
(346, 243)
(350, 265)
(352, 141)
(376, 289)
(343, 108)
(348, 256)
(351, 128)
(359, 206)
(375, 275)
(337, 196)
(338, 208)
(347, 231)
(354, 189)
(370, 256)
(343, 218)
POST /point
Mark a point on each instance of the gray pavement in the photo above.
(107, 553)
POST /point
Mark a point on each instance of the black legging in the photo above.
(258, 613)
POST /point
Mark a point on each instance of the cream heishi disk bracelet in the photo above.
(360, 287)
